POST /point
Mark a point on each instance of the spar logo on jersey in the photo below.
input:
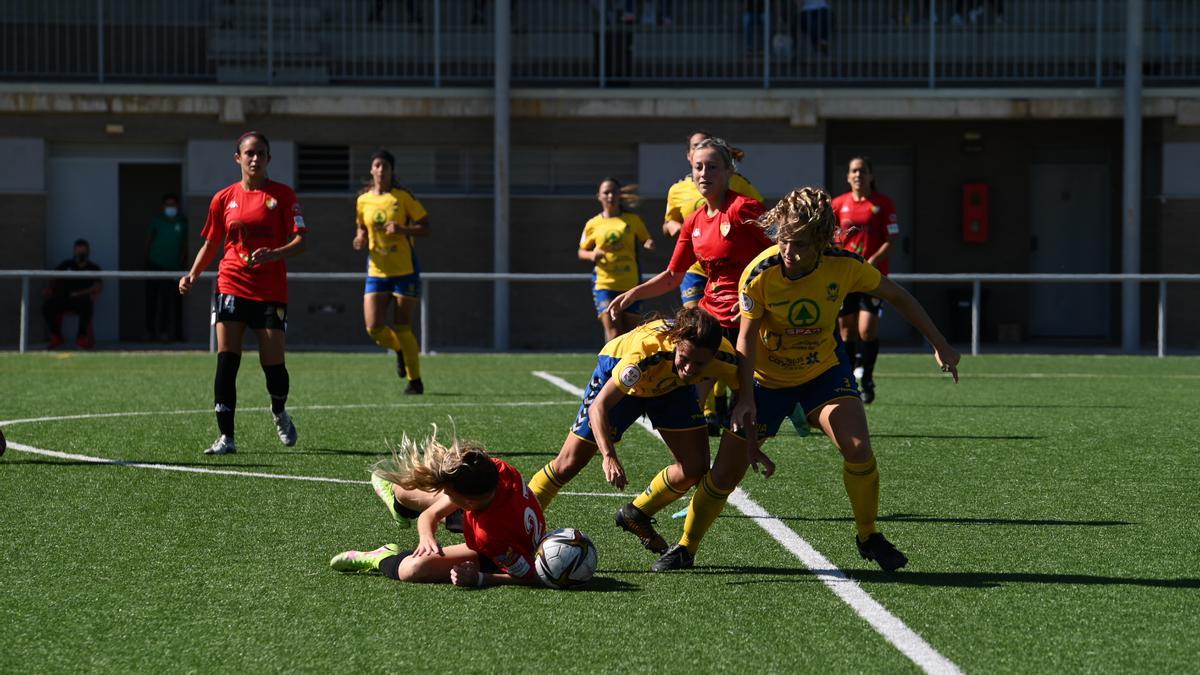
(630, 376)
(747, 303)
(804, 313)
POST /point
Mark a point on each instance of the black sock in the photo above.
(852, 353)
(390, 566)
(870, 352)
(225, 390)
(277, 386)
(404, 511)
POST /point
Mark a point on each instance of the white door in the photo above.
(83, 205)
(1071, 232)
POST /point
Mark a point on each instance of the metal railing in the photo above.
(595, 43)
(976, 282)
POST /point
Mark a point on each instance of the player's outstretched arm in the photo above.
(662, 283)
(427, 524)
(608, 397)
(947, 357)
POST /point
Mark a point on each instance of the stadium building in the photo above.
(1024, 106)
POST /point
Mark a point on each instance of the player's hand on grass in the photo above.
(428, 547)
(758, 457)
(465, 574)
(947, 359)
(614, 473)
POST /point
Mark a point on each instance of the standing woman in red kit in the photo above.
(256, 224)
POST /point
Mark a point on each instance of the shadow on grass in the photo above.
(1015, 406)
(967, 437)
(605, 585)
(919, 518)
(325, 451)
(942, 579)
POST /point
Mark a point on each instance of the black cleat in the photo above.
(400, 371)
(879, 549)
(714, 426)
(415, 387)
(676, 558)
(868, 390)
(631, 519)
(454, 521)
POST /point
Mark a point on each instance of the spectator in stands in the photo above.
(976, 10)
(166, 249)
(72, 295)
(814, 24)
(253, 226)
(610, 241)
(387, 218)
(663, 8)
(753, 12)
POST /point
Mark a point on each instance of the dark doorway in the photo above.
(141, 189)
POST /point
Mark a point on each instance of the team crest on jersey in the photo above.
(874, 210)
(725, 226)
(747, 303)
(271, 203)
(630, 376)
(832, 291)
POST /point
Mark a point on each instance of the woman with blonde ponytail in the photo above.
(426, 481)
(610, 241)
(790, 355)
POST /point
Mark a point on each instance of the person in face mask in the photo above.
(166, 249)
(72, 294)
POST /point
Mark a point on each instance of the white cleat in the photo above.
(285, 429)
(224, 445)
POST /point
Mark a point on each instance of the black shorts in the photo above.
(861, 302)
(257, 315)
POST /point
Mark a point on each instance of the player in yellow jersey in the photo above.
(682, 199)
(791, 355)
(647, 371)
(610, 241)
(387, 218)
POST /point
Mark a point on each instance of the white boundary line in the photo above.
(884, 622)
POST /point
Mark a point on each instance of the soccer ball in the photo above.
(565, 558)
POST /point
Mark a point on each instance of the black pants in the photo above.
(55, 306)
(163, 309)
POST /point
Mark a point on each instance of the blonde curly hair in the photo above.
(806, 210)
(429, 466)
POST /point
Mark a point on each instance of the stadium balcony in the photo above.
(442, 43)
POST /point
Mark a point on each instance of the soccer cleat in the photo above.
(858, 373)
(714, 426)
(415, 387)
(879, 549)
(360, 562)
(383, 490)
(400, 371)
(224, 445)
(676, 558)
(285, 429)
(868, 391)
(631, 519)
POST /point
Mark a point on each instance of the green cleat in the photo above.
(383, 490)
(363, 562)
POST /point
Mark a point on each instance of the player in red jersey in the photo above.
(502, 521)
(260, 225)
(866, 226)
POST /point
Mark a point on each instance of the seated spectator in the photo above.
(73, 295)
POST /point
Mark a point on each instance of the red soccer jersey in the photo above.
(248, 220)
(724, 244)
(509, 529)
(864, 226)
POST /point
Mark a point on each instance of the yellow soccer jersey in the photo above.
(620, 238)
(390, 255)
(684, 197)
(646, 362)
(799, 317)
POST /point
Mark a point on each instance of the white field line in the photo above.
(884, 622)
(21, 447)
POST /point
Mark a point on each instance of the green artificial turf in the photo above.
(1047, 503)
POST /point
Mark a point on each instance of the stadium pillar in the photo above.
(500, 189)
(1131, 220)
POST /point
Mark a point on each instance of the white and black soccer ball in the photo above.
(565, 558)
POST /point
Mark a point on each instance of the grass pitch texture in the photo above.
(1048, 506)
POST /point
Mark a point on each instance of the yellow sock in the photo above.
(710, 403)
(384, 337)
(862, 486)
(657, 494)
(707, 502)
(412, 352)
(545, 485)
